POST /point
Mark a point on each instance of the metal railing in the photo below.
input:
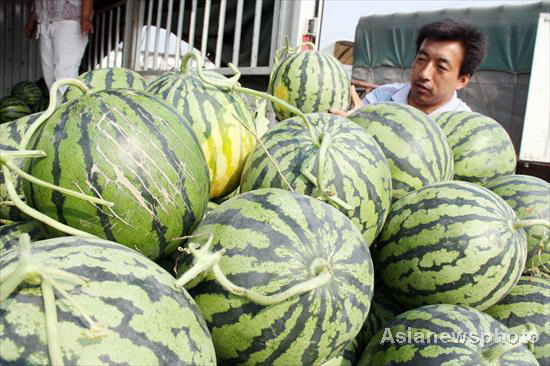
(150, 36)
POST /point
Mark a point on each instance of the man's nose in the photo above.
(426, 72)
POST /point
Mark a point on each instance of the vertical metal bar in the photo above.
(9, 76)
(274, 31)
(148, 35)
(237, 39)
(219, 40)
(205, 25)
(168, 34)
(102, 33)
(179, 30)
(128, 42)
(137, 63)
(110, 39)
(157, 34)
(192, 25)
(117, 35)
(256, 33)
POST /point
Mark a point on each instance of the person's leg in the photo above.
(46, 53)
(69, 46)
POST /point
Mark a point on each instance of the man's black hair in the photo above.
(472, 41)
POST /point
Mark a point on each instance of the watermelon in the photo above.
(530, 199)
(10, 233)
(217, 117)
(354, 168)
(11, 134)
(131, 149)
(12, 108)
(415, 146)
(528, 304)
(124, 309)
(310, 81)
(28, 92)
(274, 240)
(445, 334)
(42, 105)
(482, 149)
(347, 358)
(104, 79)
(382, 309)
(451, 242)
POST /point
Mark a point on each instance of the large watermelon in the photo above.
(530, 199)
(382, 309)
(436, 335)
(451, 242)
(310, 81)
(275, 240)
(129, 148)
(12, 108)
(354, 168)
(416, 148)
(28, 92)
(104, 79)
(528, 304)
(217, 117)
(349, 356)
(138, 317)
(10, 233)
(11, 134)
(481, 147)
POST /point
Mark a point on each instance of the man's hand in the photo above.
(86, 25)
(31, 27)
(357, 103)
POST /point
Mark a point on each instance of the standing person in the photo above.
(62, 27)
(448, 53)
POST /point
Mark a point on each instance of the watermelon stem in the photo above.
(525, 223)
(51, 108)
(233, 84)
(26, 209)
(50, 310)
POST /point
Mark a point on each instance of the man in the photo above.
(448, 53)
(63, 26)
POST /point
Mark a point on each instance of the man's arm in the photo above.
(86, 25)
(356, 100)
(31, 25)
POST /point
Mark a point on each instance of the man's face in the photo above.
(435, 74)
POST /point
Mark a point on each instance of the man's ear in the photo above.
(463, 81)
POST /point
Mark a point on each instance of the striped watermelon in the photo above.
(354, 169)
(436, 335)
(416, 148)
(310, 81)
(10, 233)
(348, 357)
(216, 116)
(146, 320)
(528, 304)
(452, 242)
(11, 134)
(42, 105)
(129, 148)
(481, 147)
(382, 309)
(530, 199)
(274, 240)
(28, 92)
(12, 108)
(104, 79)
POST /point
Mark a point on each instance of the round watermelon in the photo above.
(444, 334)
(274, 240)
(12, 108)
(482, 149)
(104, 79)
(129, 148)
(530, 199)
(10, 233)
(310, 81)
(123, 309)
(353, 169)
(348, 357)
(217, 117)
(451, 242)
(28, 92)
(528, 304)
(415, 146)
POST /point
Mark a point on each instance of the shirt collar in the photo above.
(402, 95)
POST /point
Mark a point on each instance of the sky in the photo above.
(341, 16)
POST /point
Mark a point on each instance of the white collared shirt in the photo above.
(399, 93)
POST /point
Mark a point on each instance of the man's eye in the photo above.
(442, 68)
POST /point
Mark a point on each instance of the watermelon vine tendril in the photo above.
(29, 270)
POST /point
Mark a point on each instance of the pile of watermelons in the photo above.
(166, 224)
(26, 97)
